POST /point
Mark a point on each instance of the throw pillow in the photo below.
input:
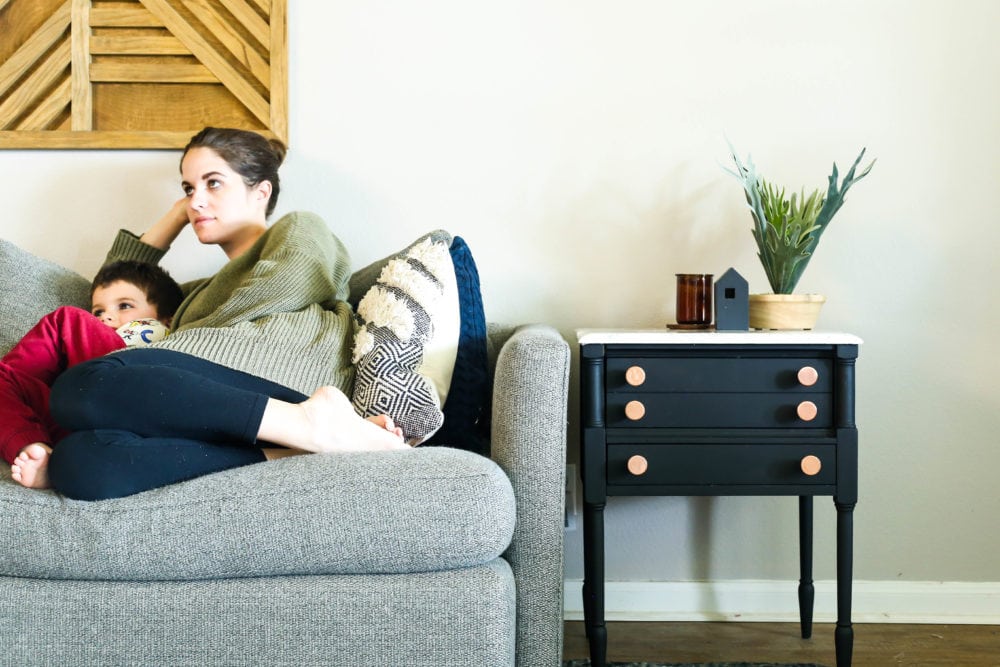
(407, 339)
(466, 413)
(32, 287)
(420, 350)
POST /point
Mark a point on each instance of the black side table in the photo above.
(679, 413)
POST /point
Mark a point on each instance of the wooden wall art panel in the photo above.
(140, 73)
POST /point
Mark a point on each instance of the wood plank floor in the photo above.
(875, 645)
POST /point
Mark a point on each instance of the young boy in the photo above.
(121, 294)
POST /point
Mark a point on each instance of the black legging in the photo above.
(143, 418)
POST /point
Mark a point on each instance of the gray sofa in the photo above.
(435, 556)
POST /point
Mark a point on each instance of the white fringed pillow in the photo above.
(405, 347)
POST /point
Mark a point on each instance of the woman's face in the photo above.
(221, 208)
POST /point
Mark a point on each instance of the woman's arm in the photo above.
(165, 230)
(153, 245)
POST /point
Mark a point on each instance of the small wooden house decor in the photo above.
(140, 73)
(732, 302)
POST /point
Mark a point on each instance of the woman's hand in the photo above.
(167, 228)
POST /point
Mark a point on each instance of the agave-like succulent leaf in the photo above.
(747, 175)
(787, 231)
(834, 200)
(835, 194)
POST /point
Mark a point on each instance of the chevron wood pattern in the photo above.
(139, 73)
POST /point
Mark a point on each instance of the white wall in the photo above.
(578, 147)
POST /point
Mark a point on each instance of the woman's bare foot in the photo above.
(31, 466)
(338, 428)
(327, 422)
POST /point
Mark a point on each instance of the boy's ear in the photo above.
(166, 321)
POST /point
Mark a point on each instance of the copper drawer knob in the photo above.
(806, 410)
(807, 376)
(635, 410)
(635, 376)
(811, 465)
(637, 465)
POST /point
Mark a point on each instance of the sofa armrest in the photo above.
(530, 399)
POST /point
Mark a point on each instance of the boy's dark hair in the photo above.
(160, 289)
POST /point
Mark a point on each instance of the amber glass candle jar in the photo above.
(694, 298)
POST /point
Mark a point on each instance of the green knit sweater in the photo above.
(278, 311)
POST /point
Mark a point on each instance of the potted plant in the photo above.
(787, 231)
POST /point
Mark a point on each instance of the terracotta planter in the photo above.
(785, 311)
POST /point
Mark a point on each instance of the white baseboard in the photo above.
(777, 601)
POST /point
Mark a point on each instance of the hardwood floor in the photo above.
(875, 645)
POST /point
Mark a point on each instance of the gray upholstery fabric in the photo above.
(386, 512)
(30, 287)
(529, 442)
(454, 618)
(198, 573)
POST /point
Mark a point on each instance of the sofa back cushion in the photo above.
(31, 287)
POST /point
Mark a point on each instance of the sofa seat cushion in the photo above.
(455, 618)
(418, 510)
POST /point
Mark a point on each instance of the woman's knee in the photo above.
(77, 469)
(81, 393)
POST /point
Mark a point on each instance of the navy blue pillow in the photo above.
(466, 409)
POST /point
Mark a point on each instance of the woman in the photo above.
(248, 345)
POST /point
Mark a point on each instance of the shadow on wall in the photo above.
(618, 249)
(312, 184)
(72, 214)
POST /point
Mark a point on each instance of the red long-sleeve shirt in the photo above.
(61, 339)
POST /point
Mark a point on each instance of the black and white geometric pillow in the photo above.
(407, 339)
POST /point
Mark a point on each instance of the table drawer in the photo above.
(719, 410)
(719, 374)
(721, 464)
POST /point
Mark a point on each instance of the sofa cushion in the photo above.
(416, 510)
(32, 287)
(449, 618)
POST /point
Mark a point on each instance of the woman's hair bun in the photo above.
(280, 150)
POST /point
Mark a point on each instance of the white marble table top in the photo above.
(712, 337)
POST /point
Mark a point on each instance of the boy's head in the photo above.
(125, 291)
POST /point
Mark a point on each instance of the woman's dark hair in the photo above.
(160, 289)
(254, 157)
